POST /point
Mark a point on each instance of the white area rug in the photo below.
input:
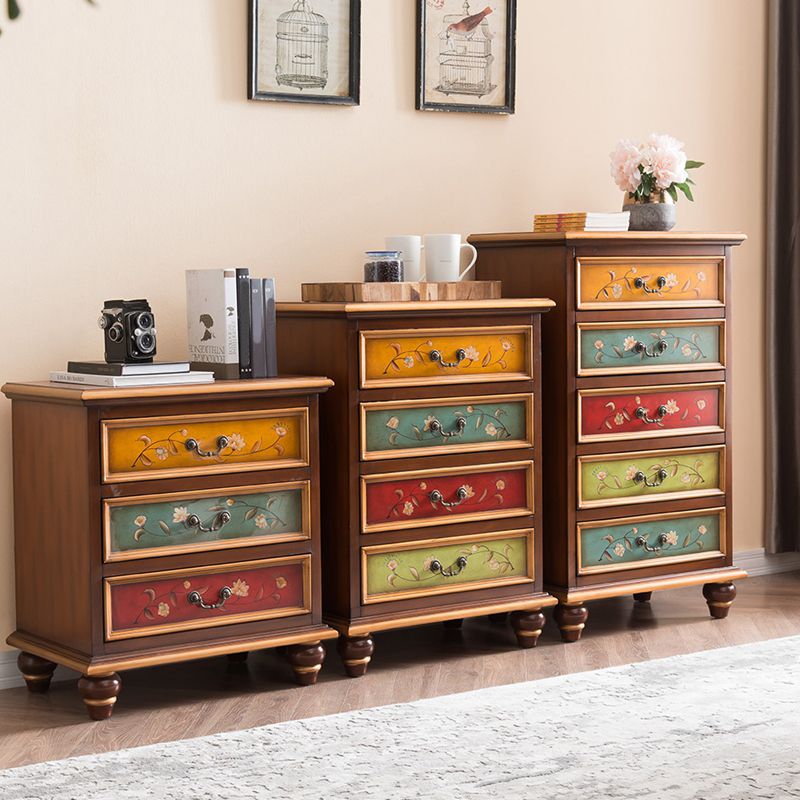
(718, 725)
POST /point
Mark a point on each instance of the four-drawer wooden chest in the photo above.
(430, 437)
(636, 415)
(165, 524)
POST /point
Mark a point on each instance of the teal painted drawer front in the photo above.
(407, 428)
(142, 527)
(619, 347)
(637, 542)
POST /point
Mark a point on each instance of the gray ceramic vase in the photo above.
(652, 216)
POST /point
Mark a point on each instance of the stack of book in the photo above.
(159, 373)
(231, 319)
(581, 221)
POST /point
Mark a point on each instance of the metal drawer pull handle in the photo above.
(219, 522)
(660, 477)
(192, 445)
(195, 599)
(651, 352)
(453, 570)
(641, 413)
(436, 357)
(436, 427)
(641, 283)
(641, 541)
(437, 497)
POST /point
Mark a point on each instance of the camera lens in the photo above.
(146, 342)
(116, 332)
(144, 320)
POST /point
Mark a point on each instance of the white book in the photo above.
(130, 381)
(213, 321)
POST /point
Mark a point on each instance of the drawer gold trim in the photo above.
(703, 555)
(706, 366)
(372, 550)
(717, 263)
(658, 497)
(654, 433)
(150, 552)
(108, 425)
(496, 377)
(253, 616)
(455, 518)
(410, 452)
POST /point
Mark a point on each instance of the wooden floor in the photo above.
(188, 700)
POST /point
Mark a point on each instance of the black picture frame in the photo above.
(353, 98)
(509, 106)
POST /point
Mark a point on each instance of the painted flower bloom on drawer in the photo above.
(140, 521)
(702, 530)
(599, 344)
(163, 610)
(236, 441)
(393, 423)
(281, 582)
(429, 420)
(408, 508)
(628, 344)
(240, 588)
(472, 353)
(672, 407)
(491, 429)
(260, 521)
(631, 472)
(180, 514)
(672, 538)
(619, 549)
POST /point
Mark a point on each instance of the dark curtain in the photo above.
(783, 279)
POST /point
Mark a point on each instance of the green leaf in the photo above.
(694, 164)
(13, 9)
(672, 192)
(684, 187)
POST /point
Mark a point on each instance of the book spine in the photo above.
(91, 380)
(243, 310)
(258, 349)
(95, 369)
(270, 336)
(231, 324)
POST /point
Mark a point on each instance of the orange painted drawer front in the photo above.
(166, 447)
(445, 496)
(204, 597)
(650, 411)
(643, 282)
(454, 355)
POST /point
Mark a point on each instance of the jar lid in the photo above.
(383, 253)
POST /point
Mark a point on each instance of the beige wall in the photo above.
(128, 153)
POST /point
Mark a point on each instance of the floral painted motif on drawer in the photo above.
(620, 347)
(395, 572)
(442, 497)
(177, 600)
(647, 411)
(658, 475)
(643, 282)
(162, 447)
(455, 355)
(395, 429)
(159, 525)
(614, 545)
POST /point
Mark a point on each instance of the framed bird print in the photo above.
(466, 55)
(305, 51)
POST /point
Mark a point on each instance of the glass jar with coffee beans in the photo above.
(383, 266)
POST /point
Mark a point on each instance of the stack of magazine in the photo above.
(581, 221)
(231, 323)
(159, 373)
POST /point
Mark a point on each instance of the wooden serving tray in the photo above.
(396, 292)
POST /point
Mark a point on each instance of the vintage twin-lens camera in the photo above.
(130, 334)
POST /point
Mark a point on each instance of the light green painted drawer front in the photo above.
(661, 475)
(408, 428)
(395, 572)
(642, 541)
(163, 524)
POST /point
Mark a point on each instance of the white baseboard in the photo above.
(756, 562)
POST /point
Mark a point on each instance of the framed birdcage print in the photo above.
(466, 55)
(305, 51)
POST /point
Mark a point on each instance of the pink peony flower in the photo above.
(665, 158)
(625, 161)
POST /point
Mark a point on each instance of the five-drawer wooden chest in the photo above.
(431, 489)
(636, 414)
(165, 524)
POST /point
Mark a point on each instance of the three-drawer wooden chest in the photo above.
(637, 434)
(158, 525)
(431, 489)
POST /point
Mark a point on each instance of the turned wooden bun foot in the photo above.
(238, 658)
(527, 626)
(453, 624)
(356, 652)
(720, 597)
(642, 597)
(571, 620)
(306, 661)
(38, 672)
(99, 694)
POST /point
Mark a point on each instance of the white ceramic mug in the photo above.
(410, 248)
(443, 257)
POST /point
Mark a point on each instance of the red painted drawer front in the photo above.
(607, 414)
(408, 499)
(160, 602)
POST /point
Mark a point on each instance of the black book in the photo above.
(104, 368)
(269, 328)
(258, 350)
(243, 310)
